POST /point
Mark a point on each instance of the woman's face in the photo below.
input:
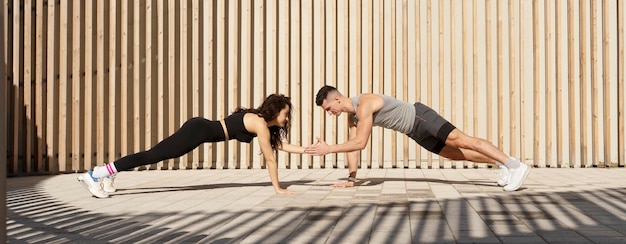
(283, 116)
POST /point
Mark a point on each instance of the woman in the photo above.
(270, 123)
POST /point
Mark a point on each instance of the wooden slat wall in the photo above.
(89, 82)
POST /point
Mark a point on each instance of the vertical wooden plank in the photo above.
(51, 122)
(136, 77)
(148, 115)
(512, 95)
(208, 75)
(258, 66)
(385, 78)
(594, 83)
(369, 69)
(319, 69)
(330, 77)
(233, 69)
(113, 109)
(39, 81)
(222, 86)
(381, 79)
(500, 75)
(405, 74)
(76, 86)
(171, 73)
(160, 76)
(283, 67)
(570, 80)
(464, 65)
(246, 75)
(343, 71)
(89, 95)
(583, 83)
(521, 87)
(16, 110)
(63, 77)
(559, 87)
(453, 73)
(28, 88)
(488, 68)
(307, 73)
(429, 64)
(337, 69)
(270, 47)
(606, 83)
(418, 72)
(100, 76)
(621, 63)
(195, 73)
(4, 109)
(393, 81)
(475, 93)
(440, 67)
(183, 79)
(536, 84)
(549, 42)
(140, 93)
(295, 63)
(125, 105)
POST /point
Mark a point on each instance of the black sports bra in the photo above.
(236, 128)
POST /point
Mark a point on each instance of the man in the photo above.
(417, 121)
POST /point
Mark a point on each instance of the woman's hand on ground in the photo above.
(343, 184)
(285, 191)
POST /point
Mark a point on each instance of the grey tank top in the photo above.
(395, 114)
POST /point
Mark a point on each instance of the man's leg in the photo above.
(466, 144)
(518, 171)
(459, 154)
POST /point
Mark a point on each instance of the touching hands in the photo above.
(320, 148)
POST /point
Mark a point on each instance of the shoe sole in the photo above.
(522, 181)
(82, 181)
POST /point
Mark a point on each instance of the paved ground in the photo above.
(390, 206)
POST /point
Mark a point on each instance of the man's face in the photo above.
(331, 106)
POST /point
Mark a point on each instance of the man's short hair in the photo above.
(323, 94)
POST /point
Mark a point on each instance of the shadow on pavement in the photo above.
(37, 217)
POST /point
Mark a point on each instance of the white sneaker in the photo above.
(518, 176)
(107, 184)
(92, 184)
(505, 176)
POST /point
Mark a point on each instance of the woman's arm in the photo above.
(263, 135)
(290, 148)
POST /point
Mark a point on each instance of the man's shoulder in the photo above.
(370, 101)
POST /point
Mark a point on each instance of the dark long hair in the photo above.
(269, 110)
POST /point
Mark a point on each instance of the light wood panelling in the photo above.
(90, 82)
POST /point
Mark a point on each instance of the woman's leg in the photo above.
(193, 133)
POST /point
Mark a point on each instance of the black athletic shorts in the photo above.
(430, 130)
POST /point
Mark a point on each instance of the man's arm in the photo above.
(352, 157)
(362, 135)
(365, 113)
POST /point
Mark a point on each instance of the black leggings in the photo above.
(193, 133)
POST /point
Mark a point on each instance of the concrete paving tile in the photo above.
(562, 236)
(239, 206)
(521, 239)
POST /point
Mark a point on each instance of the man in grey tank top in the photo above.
(419, 122)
